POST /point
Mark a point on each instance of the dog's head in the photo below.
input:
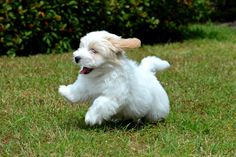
(100, 48)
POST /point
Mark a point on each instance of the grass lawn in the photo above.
(36, 121)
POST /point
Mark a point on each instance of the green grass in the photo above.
(36, 121)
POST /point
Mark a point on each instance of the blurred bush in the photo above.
(224, 11)
(39, 26)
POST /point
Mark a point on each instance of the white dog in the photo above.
(117, 86)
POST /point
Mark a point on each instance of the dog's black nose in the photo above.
(77, 59)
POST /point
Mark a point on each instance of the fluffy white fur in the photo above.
(117, 86)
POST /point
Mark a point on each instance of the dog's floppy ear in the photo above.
(128, 43)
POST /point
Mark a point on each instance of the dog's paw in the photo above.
(92, 119)
(65, 92)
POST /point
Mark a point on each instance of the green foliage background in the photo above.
(38, 26)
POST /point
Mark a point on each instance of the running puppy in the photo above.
(117, 86)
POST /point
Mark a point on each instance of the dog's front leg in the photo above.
(72, 92)
(103, 108)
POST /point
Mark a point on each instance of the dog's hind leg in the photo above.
(156, 116)
(103, 108)
(159, 111)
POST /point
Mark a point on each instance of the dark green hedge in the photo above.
(39, 26)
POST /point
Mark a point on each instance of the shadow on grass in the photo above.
(207, 31)
(214, 31)
(76, 123)
(199, 33)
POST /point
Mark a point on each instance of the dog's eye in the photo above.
(93, 50)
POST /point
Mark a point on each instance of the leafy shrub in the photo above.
(39, 26)
(29, 27)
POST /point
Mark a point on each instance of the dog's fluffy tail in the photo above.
(153, 64)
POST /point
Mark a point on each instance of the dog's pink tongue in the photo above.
(86, 70)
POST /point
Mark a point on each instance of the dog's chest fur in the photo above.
(115, 83)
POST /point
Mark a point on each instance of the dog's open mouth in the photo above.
(86, 70)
